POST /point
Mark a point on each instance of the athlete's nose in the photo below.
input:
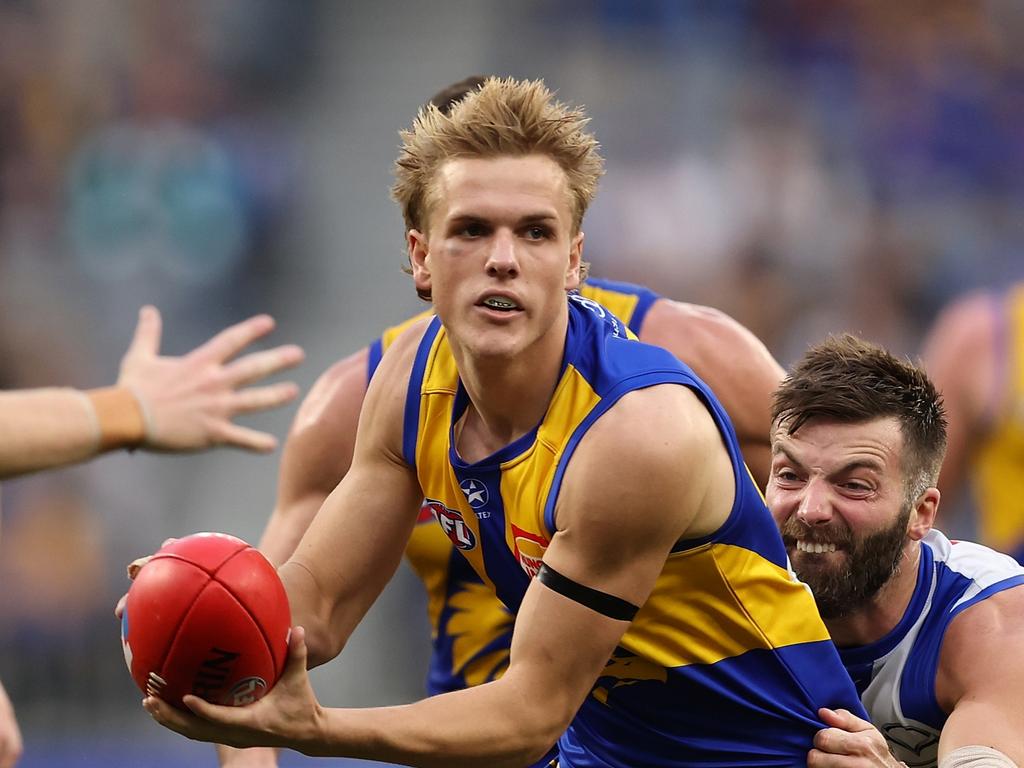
(501, 258)
(815, 506)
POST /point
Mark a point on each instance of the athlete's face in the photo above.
(837, 493)
(499, 252)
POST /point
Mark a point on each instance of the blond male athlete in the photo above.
(470, 628)
(656, 621)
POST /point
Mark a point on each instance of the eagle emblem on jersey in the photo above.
(452, 523)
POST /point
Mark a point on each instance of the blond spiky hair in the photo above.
(504, 117)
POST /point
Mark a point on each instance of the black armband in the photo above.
(605, 604)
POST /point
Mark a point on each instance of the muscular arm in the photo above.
(559, 647)
(680, 485)
(979, 680)
(160, 403)
(732, 361)
(959, 355)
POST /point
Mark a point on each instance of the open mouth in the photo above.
(814, 548)
(500, 304)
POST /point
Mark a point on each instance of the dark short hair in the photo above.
(450, 95)
(849, 380)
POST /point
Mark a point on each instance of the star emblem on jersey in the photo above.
(476, 492)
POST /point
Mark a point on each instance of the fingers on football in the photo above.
(259, 365)
(233, 340)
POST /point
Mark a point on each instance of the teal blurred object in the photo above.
(164, 195)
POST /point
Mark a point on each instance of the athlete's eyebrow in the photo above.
(867, 463)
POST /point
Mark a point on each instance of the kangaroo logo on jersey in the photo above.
(452, 523)
(476, 492)
(529, 549)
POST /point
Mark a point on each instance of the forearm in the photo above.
(285, 529)
(51, 427)
(491, 725)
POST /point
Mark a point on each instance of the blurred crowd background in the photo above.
(805, 166)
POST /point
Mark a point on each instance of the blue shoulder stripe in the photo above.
(376, 350)
(412, 397)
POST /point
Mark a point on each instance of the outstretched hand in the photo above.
(849, 742)
(288, 716)
(189, 401)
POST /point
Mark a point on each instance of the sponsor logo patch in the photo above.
(452, 523)
(529, 549)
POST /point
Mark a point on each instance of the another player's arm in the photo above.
(958, 354)
(317, 453)
(979, 680)
(159, 403)
(732, 361)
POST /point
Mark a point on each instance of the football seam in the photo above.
(259, 625)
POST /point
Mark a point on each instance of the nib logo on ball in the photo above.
(207, 615)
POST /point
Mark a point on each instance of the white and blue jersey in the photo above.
(895, 676)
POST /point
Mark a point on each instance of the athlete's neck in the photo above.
(508, 396)
(880, 615)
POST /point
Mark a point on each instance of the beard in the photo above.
(840, 588)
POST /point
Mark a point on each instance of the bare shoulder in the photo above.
(337, 390)
(718, 348)
(978, 645)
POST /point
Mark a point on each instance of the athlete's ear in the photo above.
(416, 243)
(573, 278)
(922, 517)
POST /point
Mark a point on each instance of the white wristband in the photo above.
(976, 756)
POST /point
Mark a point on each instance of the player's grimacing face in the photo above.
(837, 494)
(499, 252)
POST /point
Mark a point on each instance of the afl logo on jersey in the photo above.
(476, 492)
(452, 523)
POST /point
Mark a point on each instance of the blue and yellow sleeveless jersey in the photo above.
(471, 629)
(728, 661)
(997, 468)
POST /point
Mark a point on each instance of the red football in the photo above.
(206, 615)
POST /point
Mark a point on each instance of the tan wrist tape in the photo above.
(976, 756)
(122, 423)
